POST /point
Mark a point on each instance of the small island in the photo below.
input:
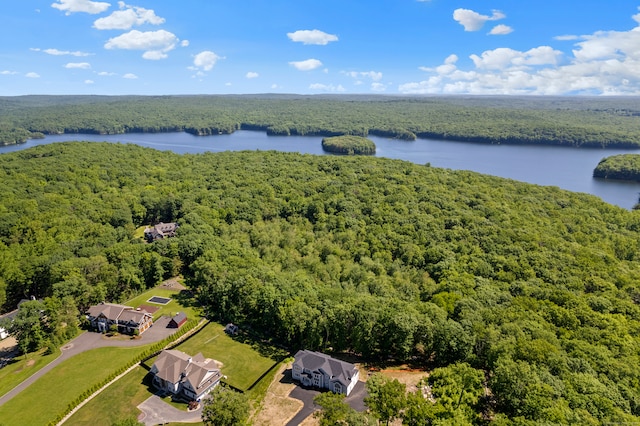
(622, 167)
(349, 145)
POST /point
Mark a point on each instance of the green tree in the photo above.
(225, 407)
(386, 397)
(27, 326)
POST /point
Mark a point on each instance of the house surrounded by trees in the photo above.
(128, 320)
(322, 371)
(160, 231)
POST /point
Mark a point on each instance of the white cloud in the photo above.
(130, 76)
(7, 72)
(567, 37)
(184, 43)
(89, 82)
(206, 60)
(373, 75)
(252, 74)
(378, 87)
(32, 75)
(128, 17)
(56, 52)
(275, 86)
(602, 63)
(312, 37)
(326, 87)
(308, 65)
(86, 6)
(106, 74)
(156, 44)
(473, 21)
(78, 65)
(501, 30)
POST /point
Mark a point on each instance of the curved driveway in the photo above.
(90, 340)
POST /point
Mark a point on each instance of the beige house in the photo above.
(160, 231)
(185, 376)
(103, 316)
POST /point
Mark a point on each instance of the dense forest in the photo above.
(349, 145)
(532, 290)
(592, 122)
(623, 166)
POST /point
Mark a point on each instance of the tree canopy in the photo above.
(593, 122)
(535, 287)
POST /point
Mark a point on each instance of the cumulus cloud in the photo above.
(378, 87)
(205, 60)
(85, 6)
(56, 52)
(312, 37)
(603, 63)
(32, 75)
(567, 37)
(252, 74)
(308, 65)
(130, 76)
(89, 82)
(7, 72)
(184, 43)
(326, 87)
(473, 21)
(78, 65)
(501, 30)
(373, 75)
(128, 17)
(156, 44)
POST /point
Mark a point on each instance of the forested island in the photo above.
(349, 145)
(522, 299)
(579, 122)
(623, 167)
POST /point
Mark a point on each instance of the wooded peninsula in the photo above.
(588, 122)
(532, 292)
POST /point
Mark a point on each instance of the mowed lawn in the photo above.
(53, 392)
(21, 368)
(116, 403)
(177, 304)
(242, 364)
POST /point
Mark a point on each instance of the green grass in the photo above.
(242, 364)
(179, 303)
(139, 232)
(117, 402)
(20, 369)
(53, 392)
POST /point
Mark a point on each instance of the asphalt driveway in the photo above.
(90, 340)
(157, 412)
(306, 395)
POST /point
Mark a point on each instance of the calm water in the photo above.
(567, 168)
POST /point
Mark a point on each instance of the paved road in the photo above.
(90, 340)
(157, 412)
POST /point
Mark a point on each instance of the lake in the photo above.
(565, 167)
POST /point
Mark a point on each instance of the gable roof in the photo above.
(336, 369)
(135, 316)
(179, 317)
(109, 310)
(173, 365)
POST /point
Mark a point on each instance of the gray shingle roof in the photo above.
(336, 369)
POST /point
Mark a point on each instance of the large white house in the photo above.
(322, 371)
(183, 375)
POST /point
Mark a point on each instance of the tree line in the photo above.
(571, 122)
(535, 288)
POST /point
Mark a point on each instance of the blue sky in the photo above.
(149, 47)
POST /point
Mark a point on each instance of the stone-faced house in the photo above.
(322, 371)
(160, 231)
(185, 376)
(103, 316)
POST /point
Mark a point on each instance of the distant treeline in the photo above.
(624, 167)
(592, 122)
